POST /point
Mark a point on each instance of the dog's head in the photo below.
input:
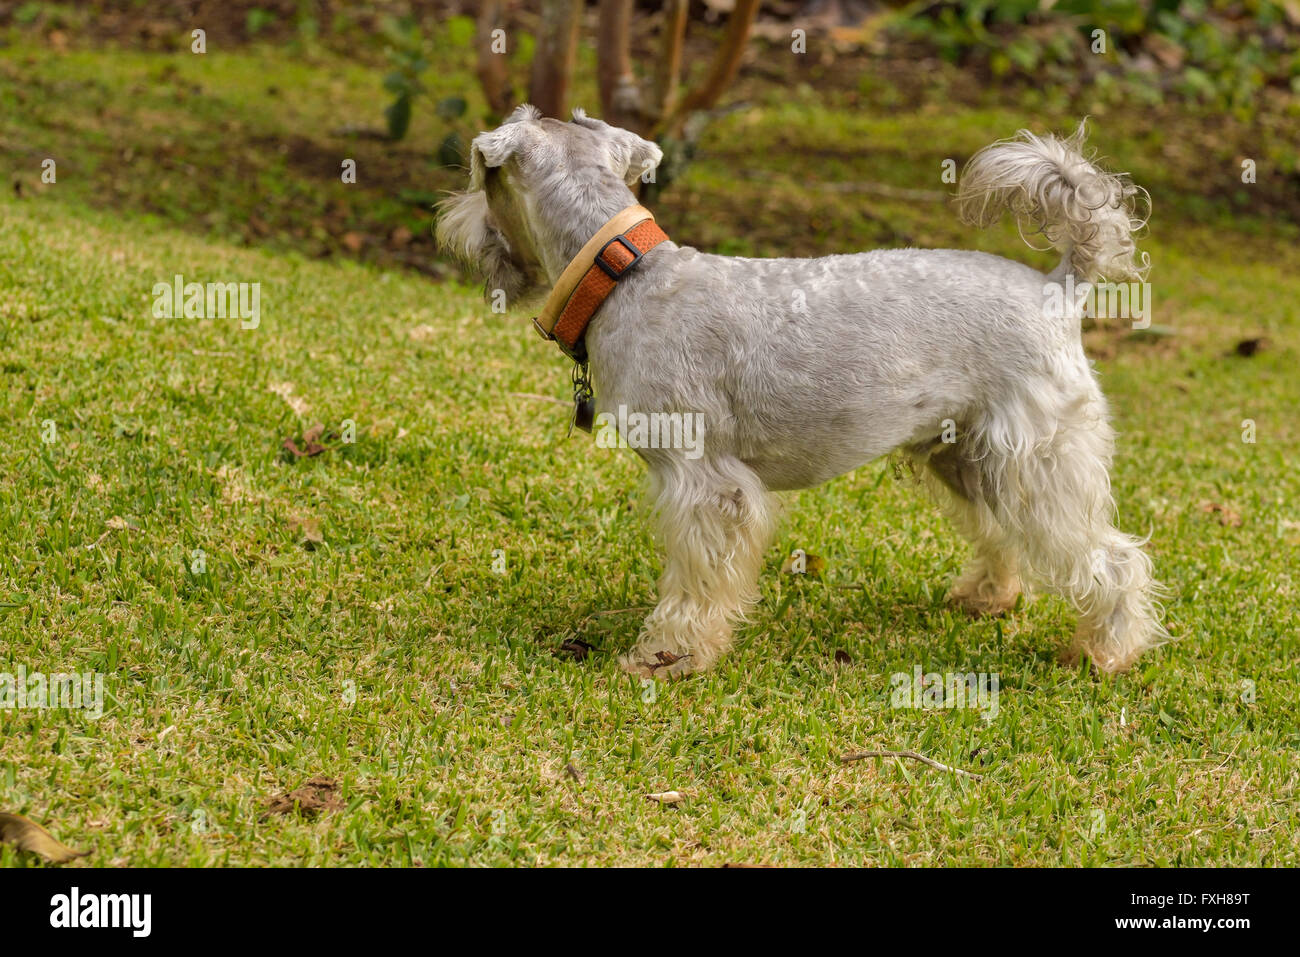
(536, 184)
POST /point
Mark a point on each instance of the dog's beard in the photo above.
(465, 228)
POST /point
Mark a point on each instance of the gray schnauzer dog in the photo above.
(804, 369)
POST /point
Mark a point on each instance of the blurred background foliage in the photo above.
(777, 109)
(1212, 51)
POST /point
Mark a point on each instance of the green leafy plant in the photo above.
(258, 20)
(406, 54)
(451, 151)
(1209, 51)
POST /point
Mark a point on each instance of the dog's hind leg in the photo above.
(714, 520)
(1051, 493)
(990, 583)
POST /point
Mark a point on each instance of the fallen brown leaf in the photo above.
(813, 565)
(311, 442)
(1248, 347)
(318, 794)
(298, 453)
(1226, 515)
(578, 648)
(29, 836)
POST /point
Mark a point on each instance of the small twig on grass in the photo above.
(859, 755)
(1229, 757)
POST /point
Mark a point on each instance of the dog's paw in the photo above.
(657, 664)
(985, 598)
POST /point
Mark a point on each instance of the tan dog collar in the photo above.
(592, 275)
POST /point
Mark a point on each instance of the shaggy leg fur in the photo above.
(714, 520)
(1051, 493)
(991, 583)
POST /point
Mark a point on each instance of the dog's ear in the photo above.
(630, 156)
(492, 149)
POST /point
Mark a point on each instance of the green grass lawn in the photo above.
(346, 620)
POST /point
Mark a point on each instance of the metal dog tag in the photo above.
(584, 413)
(584, 400)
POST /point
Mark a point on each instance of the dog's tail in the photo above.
(1082, 210)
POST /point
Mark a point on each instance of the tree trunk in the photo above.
(555, 57)
(669, 67)
(493, 67)
(726, 63)
(620, 97)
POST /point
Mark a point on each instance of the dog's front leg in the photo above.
(714, 519)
